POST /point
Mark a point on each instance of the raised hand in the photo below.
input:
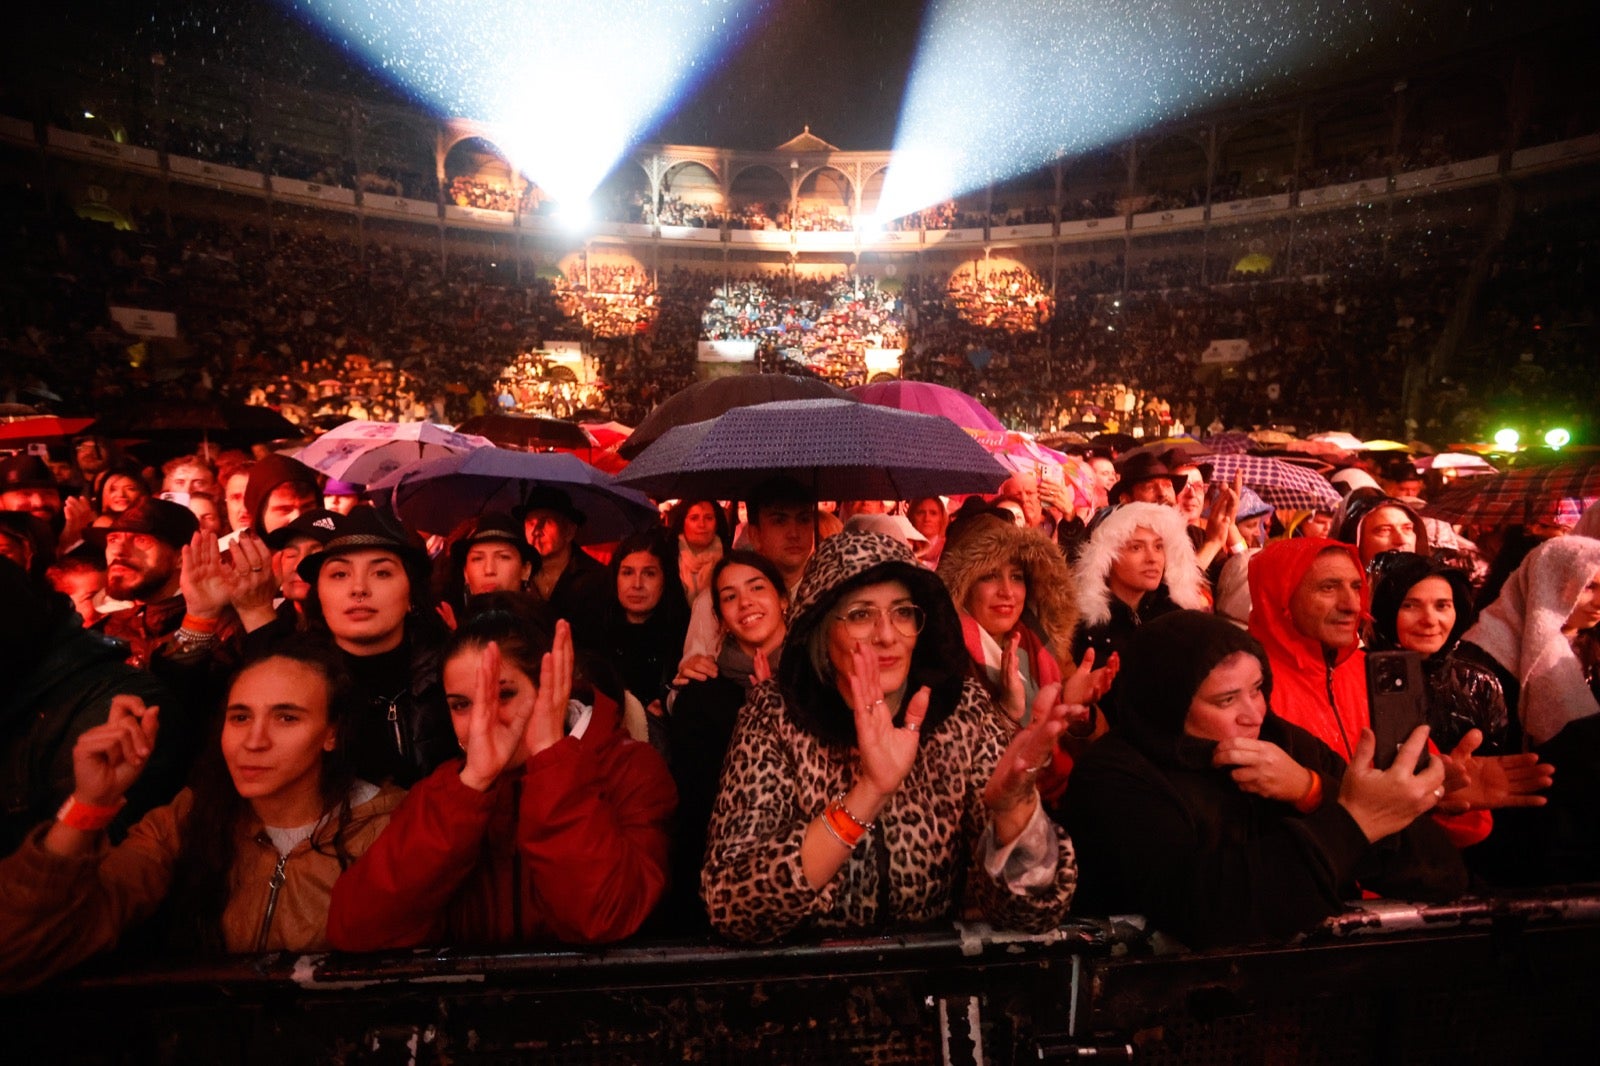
(109, 758)
(548, 723)
(1383, 802)
(1013, 693)
(695, 668)
(253, 580)
(761, 666)
(1012, 785)
(887, 751)
(1262, 768)
(78, 515)
(206, 581)
(494, 731)
(1484, 782)
(1088, 685)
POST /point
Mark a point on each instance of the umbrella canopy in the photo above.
(1020, 452)
(364, 452)
(924, 397)
(228, 424)
(708, 399)
(1232, 442)
(533, 432)
(1348, 441)
(1518, 496)
(841, 449)
(42, 429)
(1283, 485)
(439, 495)
(1465, 464)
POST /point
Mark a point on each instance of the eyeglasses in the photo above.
(861, 622)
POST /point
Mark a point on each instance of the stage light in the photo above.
(574, 216)
(1558, 438)
(1506, 439)
(568, 88)
(1002, 87)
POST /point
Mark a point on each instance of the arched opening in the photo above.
(999, 292)
(477, 174)
(1348, 142)
(1172, 174)
(1461, 116)
(624, 194)
(1092, 185)
(397, 160)
(758, 198)
(691, 195)
(1026, 199)
(1255, 159)
(824, 201)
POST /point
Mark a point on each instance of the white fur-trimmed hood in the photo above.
(1185, 584)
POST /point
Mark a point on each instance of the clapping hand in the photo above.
(887, 751)
(1484, 782)
(109, 758)
(548, 724)
(1012, 785)
(494, 731)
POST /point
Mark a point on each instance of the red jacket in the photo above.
(1329, 701)
(573, 847)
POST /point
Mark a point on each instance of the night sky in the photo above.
(838, 65)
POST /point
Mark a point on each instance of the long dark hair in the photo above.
(724, 531)
(673, 609)
(203, 877)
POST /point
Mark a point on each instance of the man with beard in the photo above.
(27, 486)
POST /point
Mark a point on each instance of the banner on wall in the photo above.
(1233, 350)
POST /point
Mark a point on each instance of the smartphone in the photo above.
(1398, 699)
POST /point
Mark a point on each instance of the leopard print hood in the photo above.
(847, 561)
(988, 542)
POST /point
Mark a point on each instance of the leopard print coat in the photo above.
(923, 863)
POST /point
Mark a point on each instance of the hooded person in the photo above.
(899, 803)
(1422, 605)
(1377, 523)
(279, 490)
(1538, 637)
(1137, 564)
(1222, 823)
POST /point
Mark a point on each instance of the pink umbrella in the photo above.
(1018, 452)
(926, 398)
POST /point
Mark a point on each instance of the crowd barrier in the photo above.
(1480, 980)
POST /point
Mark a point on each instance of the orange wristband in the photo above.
(1312, 799)
(200, 625)
(842, 824)
(88, 817)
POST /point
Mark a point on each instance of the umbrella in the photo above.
(708, 399)
(1117, 442)
(364, 452)
(1348, 441)
(228, 424)
(1382, 446)
(1465, 464)
(1187, 449)
(840, 449)
(926, 398)
(1233, 442)
(1019, 452)
(533, 432)
(1283, 485)
(42, 429)
(1518, 496)
(441, 494)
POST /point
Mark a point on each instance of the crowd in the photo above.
(252, 712)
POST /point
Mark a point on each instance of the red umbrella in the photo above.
(42, 428)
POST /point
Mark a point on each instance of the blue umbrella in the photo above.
(841, 449)
(439, 495)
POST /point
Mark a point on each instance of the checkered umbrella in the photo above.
(1285, 486)
(840, 449)
(1520, 495)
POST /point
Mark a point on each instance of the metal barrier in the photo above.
(1501, 980)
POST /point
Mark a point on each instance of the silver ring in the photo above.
(915, 727)
(880, 703)
(1438, 793)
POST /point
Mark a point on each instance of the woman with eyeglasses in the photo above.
(871, 783)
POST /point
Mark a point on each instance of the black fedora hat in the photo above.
(1143, 467)
(493, 526)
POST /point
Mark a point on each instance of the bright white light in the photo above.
(1001, 87)
(574, 216)
(569, 87)
(869, 224)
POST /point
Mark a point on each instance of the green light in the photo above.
(1558, 438)
(1507, 438)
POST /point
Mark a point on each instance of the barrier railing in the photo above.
(1500, 979)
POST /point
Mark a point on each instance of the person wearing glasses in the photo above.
(871, 783)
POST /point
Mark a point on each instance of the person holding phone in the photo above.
(1225, 824)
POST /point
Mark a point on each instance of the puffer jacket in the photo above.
(791, 754)
(572, 848)
(56, 912)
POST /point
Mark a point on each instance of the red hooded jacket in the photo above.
(571, 847)
(1327, 700)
